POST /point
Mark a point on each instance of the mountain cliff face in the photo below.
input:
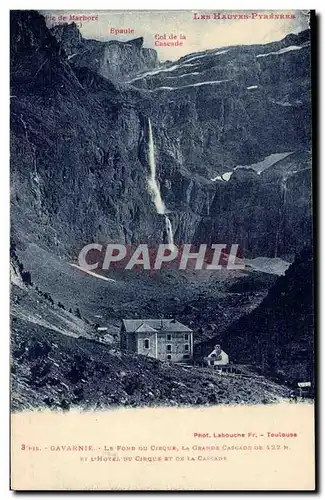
(278, 334)
(275, 203)
(79, 139)
(231, 134)
(113, 59)
(234, 105)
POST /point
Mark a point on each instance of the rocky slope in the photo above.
(56, 365)
(59, 362)
(278, 335)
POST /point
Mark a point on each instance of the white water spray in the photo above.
(152, 181)
(169, 231)
(155, 191)
(284, 189)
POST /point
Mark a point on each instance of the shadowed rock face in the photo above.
(278, 334)
(79, 132)
(113, 59)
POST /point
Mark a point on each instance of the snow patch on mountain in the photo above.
(91, 273)
(259, 167)
(284, 50)
(161, 70)
(185, 74)
(267, 162)
(200, 84)
(208, 54)
(268, 265)
(223, 177)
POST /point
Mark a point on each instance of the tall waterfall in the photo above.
(284, 189)
(169, 231)
(155, 191)
(152, 181)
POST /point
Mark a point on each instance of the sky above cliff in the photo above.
(185, 31)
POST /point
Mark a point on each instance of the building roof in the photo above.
(215, 355)
(144, 328)
(222, 359)
(156, 325)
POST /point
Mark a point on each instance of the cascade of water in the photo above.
(169, 231)
(155, 191)
(152, 181)
(284, 189)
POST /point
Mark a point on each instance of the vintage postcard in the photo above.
(162, 318)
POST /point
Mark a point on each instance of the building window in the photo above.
(169, 347)
(169, 337)
(169, 356)
(187, 347)
(186, 356)
(186, 336)
(146, 343)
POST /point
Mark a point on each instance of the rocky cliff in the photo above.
(79, 141)
(113, 59)
(278, 334)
